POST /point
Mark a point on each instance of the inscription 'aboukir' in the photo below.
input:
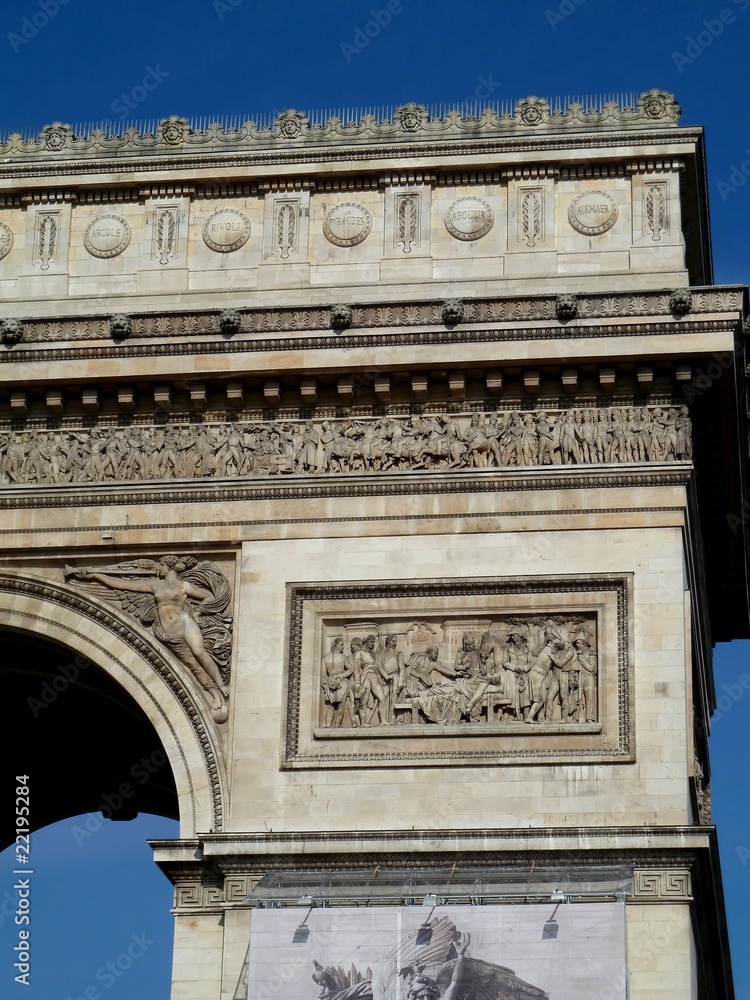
(469, 219)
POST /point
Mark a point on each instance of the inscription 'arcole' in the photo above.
(107, 236)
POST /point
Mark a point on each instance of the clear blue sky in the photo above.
(241, 56)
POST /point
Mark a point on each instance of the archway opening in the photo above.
(85, 744)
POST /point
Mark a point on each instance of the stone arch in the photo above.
(144, 670)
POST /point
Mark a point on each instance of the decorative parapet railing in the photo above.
(295, 129)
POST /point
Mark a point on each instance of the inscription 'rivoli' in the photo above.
(226, 231)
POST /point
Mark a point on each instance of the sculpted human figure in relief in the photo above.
(186, 605)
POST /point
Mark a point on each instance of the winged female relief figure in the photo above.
(184, 603)
(439, 969)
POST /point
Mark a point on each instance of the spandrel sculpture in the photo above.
(185, 603)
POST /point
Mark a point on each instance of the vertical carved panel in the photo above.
(656, 210)
(46, 238)
(530, 216)
(407, 229)
(286, 227)
(166, 223)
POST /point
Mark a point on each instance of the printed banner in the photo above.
(568, 951)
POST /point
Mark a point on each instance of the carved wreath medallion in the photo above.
(6, 240)
(592, 213)
(469, 219)
(226, 231)
(107, 236)
(347, 225)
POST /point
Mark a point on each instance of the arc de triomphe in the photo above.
(388, 477)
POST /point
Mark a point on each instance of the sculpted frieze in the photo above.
(427, 443)
(458, 670)
(537, 670)
(184, 603)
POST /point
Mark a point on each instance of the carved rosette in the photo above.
(453, 311)
(566, 307)
(342, 316)
(120, 326)
(230, 322)
(681, 301)
(11, 331)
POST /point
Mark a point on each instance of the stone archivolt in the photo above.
(535, 669)
(432, 442)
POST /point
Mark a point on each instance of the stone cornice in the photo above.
(513, 318)
(40, 496)
(408, 125)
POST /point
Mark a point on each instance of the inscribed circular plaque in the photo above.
(226, 231)
(6, 240)
(592, 213)
(469, 219)
(107, 236)
(347, 225)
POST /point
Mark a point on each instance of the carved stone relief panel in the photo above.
(435, 442)
(531, 215)
(48, 239)
(184, 603)
(285, 226)
(656, 209)
(407, 221)
(458, 671)
(166, 227)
